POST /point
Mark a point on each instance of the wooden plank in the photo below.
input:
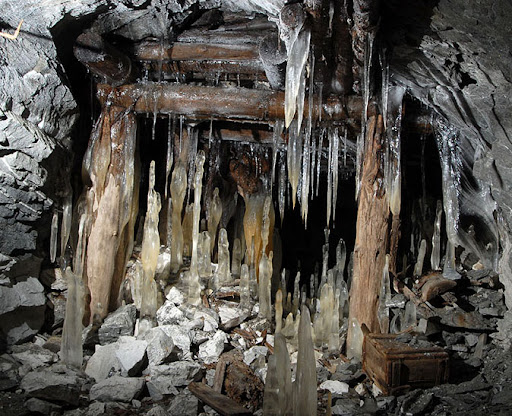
(219, 402)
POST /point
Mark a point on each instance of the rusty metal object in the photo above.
(200, 102)
(395, 366)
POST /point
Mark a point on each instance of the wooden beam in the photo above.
(199, 102)
(371, 243)
(218, 402)
(103, 60)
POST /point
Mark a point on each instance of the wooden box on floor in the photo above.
(395, 366)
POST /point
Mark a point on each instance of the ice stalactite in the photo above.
(435, 257)
(150, 249)
(170, 155)
(305, 178)
(194, 287)
(319, 160)
(245, 292)
(215, 213)
(384, 299)
(295, 72)
(205, 261)
(193, 137)
(335, 169)
(294, 156)
(281, 190)
(71, 346)
(223, 275)
(305, 386)
(276, 141)
(392, 165)
(329, 181)
(366, 92)
(178, 188)
(67, 213)
(265, 278)
(418, 267)
(313, 166)
(54, 236)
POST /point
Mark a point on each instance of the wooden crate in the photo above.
(395, 366)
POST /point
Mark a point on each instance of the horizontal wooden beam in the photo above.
(200, 102)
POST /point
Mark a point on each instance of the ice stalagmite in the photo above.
(150, 249)
(279, 310)
(284, 376)
(297, 58)
(53, 236)
(71, 346)
(334, 335)
(409, 316)
(271, 392)
(265, 227)
(245, 292)
(305, 403)
(215, 215)
(178, 188)
(187, 230)
(449, 269)
(418, 267)
(294, 157)
(265, 278)
(296, 293)
(223, 275)
(341, 258)
(435, 258)
(355, 342)
(194, 288)
(384, 299)
(236, 261)
(205, 262)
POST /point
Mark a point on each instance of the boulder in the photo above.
(181, 338)
(176, 374)
(118, 323)
(117, 389)
(42, 407)
(33, 355)
(184, 403)
(160, 347)
(131, 354)
(210, 351)
(103, 362)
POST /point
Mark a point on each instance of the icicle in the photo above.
(150, 248)
(305, 380)
(329, 179)
(305, 179)
(319, 160)
(215, 216)
(194, 294)
(187, 230)
(392, 165)
(71, 346)
(276, 140)
(297, 58)
(294, 160)
(178, 188)
(384, 299)
(265, 228)
(53, 236)
(282, 188)
(313, 166)
(335, 171)
(169, 160)
(67, 211)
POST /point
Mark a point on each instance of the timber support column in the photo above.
(372, 238)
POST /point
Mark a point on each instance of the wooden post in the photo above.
(371, 243)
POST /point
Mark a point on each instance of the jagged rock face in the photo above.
(455, 58)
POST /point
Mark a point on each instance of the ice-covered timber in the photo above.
(223, 103)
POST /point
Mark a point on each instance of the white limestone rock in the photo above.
(175, 296)
(210, 351)
(231, 315)
(169, 314)
(181, 338)
(33, 355)
(337, 388)
(254, 353)
(184, 403)
(117, 389)
(131, 354)
(176, 374)
(103, 362)
(209, 318)
(118, 323)
(160, 348)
